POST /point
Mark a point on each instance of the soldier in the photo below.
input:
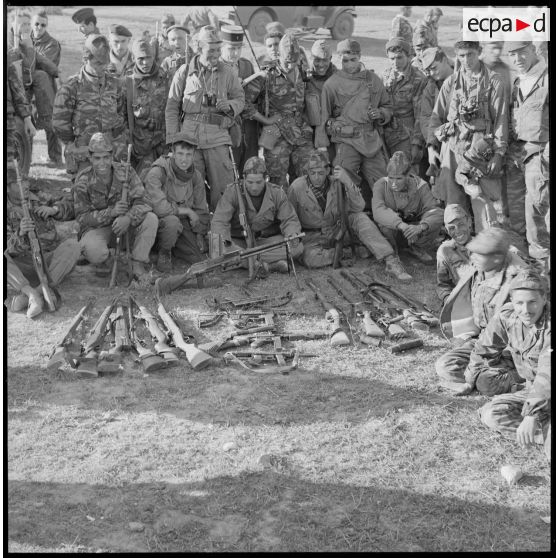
(209, 96)
(161, 40)
(275, 31)
(121, 59)
(401, 26)
(86, 21)
(146, 98)
(314, 198)
(530, 124)
(91, 101)
(491, 56)
(524, 326)
(419, 45)
(268, 211)
(480, 294)
(102, 215)
(470, 108)
(47, 46)
(60, 257)
(405, 210)
(427, 28)
(404, 84)
(176, 192)
(182, 53)
(286, 136)
(244, 133)
(354, 104)
(198, 17)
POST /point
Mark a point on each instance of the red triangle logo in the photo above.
(519, 25)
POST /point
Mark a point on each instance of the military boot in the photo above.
(164, 261)
(19, 302)
(36, 303)
(138, 269)
(420, 254)
(395, 268)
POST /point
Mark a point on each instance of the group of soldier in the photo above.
(432, 145)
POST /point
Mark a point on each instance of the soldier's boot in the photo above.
(36, 302)
(19, 302)
(164, 261)
(420, 254)
(138, 269)
(395, 268)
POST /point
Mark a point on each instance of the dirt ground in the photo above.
(356, 450)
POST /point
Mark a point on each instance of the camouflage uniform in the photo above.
(425, 32)
(401, 27)
(166, 193)
(121, 67)
(93, 202)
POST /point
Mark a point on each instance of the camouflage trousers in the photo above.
(278, 159)
(503, 414)
(215, 166)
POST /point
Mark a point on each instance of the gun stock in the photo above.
(159, 336)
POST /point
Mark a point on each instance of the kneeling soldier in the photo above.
(176, 192)
(101, 213)
(269, 213)
(314, 199)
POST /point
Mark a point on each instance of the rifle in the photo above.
(36, 250)
(246, 229)
(338, 336)
(58, 354)
(343, 225)
(247, 37)
(124, 198)
(110, 362)
(165, 285)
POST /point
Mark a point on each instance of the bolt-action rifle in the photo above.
(111, 361)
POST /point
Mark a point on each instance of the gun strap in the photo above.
(130, 94)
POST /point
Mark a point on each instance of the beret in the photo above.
(99, 143)
(490, 241)
(208, 34)
(348, 47)
(454, 211)
(399, 164)
(321, 49)
(178, 28)
(516, 45)
(254, 165)
(97, 45)
(529, 280)
(82, 15)
(399, 43)
(168, 19)
(289, 48)
(141, 48)
(120, 30)
(428, 56)
(233, 34)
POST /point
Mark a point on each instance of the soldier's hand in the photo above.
(434, 156)
(44, 211)
(375, 113)
(26, 225)
(222, 105)
(121, 224)
(28, 127)
(193, 218)
(339, 173)
(416, 154)
(495, 164)
(412, 232)
(120, 208)
(525, 434)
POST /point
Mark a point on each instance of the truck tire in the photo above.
(343, 26)
(23, 147)
(257, 23)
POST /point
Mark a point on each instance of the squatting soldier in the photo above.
(530, 124)
(480, 293)
(314, 198)
(146, 98)
(161, 41)
(524, 326)
(276, 100)
(176, 192)
(121, 59)
(60, 257)
(244, 133)
(354, 104)
(427, 27)
(470, 107)
(268, 211)
(208, 96)
(91, 101)
(86, 21)
(404, 85)
(401, 26)
(102, 215)
(181, 51)
(405, 210)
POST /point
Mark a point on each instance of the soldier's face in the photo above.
(407, 11)
(528, 305)
(177, 40)
(398, 60)
(397, 183)
(491, 52)
(350, 63)
(119, 44)
(209, 53)
(317, 176)
(487, 262)
(96, 67)
(524, 58)
(320, 65)
(460, 230)
(40, 25)
(101, 162)
(272, 47)
(183, 156)
(255, 184)
(231, 53)
(469, 58)
(86, 28)
(144, 63)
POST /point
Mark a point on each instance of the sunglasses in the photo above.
(37, 24)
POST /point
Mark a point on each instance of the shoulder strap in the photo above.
(130, 94)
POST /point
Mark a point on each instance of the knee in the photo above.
(150, 222)
(95, 250)
(488, 415)
(170, 224)
(71, 248)
(441, 366)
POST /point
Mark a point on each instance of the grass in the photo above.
(357, 450)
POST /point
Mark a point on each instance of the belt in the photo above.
(208, 118)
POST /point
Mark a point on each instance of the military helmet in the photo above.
(99, 143)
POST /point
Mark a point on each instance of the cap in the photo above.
(275, 28)
(436, 11)
(141, 48)
(454, 211)
(321, 49)
(399, 164)
(208, 34)
(419, 39)
(289, 48)
(120, 30)
(529, 280)
(317, 159)
(99, 143)
(98, 47)
(428, 56)
(82, 15)
(398, 42)
(178, 28)
(168, 20)
(516, 45)
(254, 165)
(348, 47)
(490, 241)
(232, 34)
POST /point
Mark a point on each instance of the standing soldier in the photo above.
(530, 125)
(198, 17)
(86, 22)
(491, 56)
(244, 133)
(161, 41)
(354, 105)
(182, 53)
(102, 215)
(91, 101)
(121, 59)
(427, 28)
(146, 98)
(470, 109)
(419, 45)
(401, 26)
(204, 99)
(404, 85)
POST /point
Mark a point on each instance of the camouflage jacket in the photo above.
(401, 27)
(121, 68)
(93, 202)
(405, 92)
(48, 47)
(16, 100)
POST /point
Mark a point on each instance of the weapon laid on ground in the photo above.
(36, 251)
(338, 336)
(111, 361)
(264, 300)
(58, 354)
(165, 285)
(118, 248)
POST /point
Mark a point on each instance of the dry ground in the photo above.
(356, 450)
